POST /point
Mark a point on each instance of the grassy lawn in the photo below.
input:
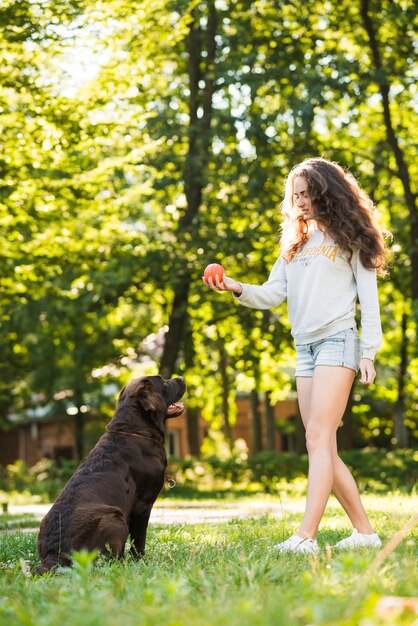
(223, 574)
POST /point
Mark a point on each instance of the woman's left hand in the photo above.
(368, 373)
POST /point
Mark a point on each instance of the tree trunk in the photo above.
(176, 324)
(193, 411)
(256, 422)
(400, 431)
(402, 167)
(78, 399)
(300, 439)
(270, 424)
(195, 166)
(223, 361)
(79, 424)
(193, 416)
(345, 433)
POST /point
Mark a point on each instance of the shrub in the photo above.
(45, 478)
(375, 470)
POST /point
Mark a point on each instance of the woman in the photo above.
(331, 249)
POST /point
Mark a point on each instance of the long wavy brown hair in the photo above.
(341, 208)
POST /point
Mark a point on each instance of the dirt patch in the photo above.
(183, 513)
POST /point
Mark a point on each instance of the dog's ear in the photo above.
(148, 397)
(122, 394)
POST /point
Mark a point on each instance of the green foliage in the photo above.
(375, 470)
(381, 470)
(45, 478)
(102, 141)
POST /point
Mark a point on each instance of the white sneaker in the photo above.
(298, 545)
(359, 540)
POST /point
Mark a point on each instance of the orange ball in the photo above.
(211, 271)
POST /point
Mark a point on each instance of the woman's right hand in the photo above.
(226, 284)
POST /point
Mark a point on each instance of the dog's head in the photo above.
(148, 400)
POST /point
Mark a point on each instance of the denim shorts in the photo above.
(341, 350)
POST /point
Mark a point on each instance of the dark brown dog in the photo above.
(112, 492)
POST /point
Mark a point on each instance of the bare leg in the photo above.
(347, 494)
(322, 401)
(344, 487)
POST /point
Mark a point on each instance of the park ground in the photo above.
(210, 562)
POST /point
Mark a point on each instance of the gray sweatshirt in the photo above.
(321, 287)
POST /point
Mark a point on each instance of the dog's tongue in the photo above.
(176, 408)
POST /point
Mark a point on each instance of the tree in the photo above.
(172, 154)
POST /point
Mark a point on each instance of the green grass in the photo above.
(223, 574)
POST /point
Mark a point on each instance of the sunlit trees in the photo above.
(142, 142)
